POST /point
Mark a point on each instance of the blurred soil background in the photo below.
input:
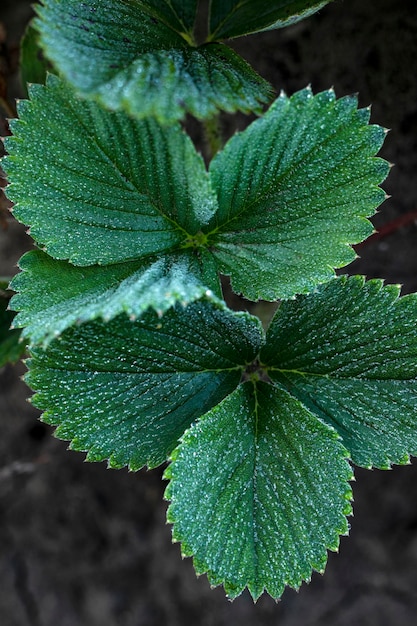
(81, 545)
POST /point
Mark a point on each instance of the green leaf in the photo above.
(126, 391)
(180, 15)
(259, 492)
(123, 55)
(33, 65)
(294, 190)
(349, 353)
(99, 187)
(233, 18)
(11, 347)
(54, 295)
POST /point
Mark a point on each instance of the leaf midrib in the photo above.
(125, 180)
(293, 166)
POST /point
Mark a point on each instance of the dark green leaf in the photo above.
(126, 391)
(349, 353)
(233, 18)
(259, 492)
(54, 295)
(178, 14)
(11, 345)
(33, 65)
(99, 187)
(122, 55)
(294, 190)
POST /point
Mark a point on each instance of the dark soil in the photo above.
(81, 545)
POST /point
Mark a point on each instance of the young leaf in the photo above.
(126, 391)
(33, 65)
(348, 352)
(294, 190)
(259, 492)
(53, 295)
(11, 345)
(128, 55)
(99, 187)
(233, 18)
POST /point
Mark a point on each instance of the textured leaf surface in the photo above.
(53, 295)
(259, 492)
(126, 391)
(99, 187)
(122, 53)
(349, 353)
(294, 190)
(233, 18)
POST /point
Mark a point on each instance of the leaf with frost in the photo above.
(348, 352)
(294, 190)
(53, 295)
(141, 57)
(97, 187)
(276, 211)
(126, 391)
(259, 491)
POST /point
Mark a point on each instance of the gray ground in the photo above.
(84, 546)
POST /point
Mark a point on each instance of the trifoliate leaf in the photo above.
(294, 190)
(233, 18)
(129, 55)
(349, 353)
(259, 492)
(54, 295)
(99, 187)
(126, 391)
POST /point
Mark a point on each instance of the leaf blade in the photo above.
(264, 521)
(120, 189)
(178, 14)
(356, 375)
(234, 18)
(126, 391)
(53, 295)
(12, 347)
(295, 190)
(102, 52)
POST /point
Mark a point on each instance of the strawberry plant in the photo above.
(136, 353)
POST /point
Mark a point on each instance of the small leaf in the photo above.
(233, 18)
(126, 391)
(349, 353)
(259, 492)
(12, 347)
(54, 295)
(123, 55)
(99, 187)
(294, 190)
(33, 65)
